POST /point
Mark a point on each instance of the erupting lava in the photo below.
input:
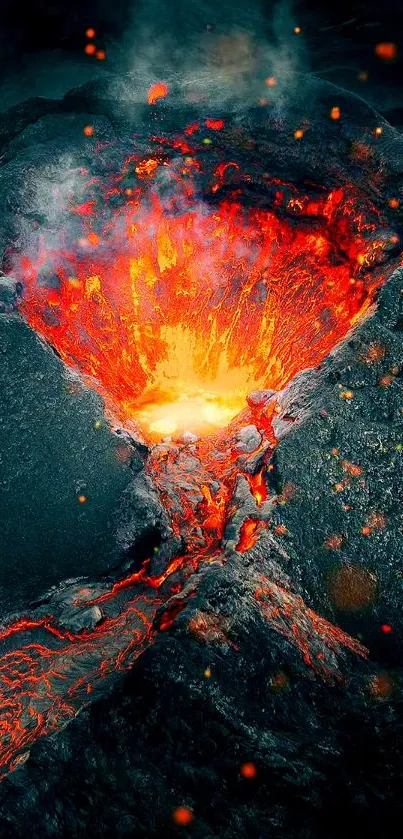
(176, 299)
(177, 308)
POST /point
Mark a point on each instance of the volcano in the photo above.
(229, 284)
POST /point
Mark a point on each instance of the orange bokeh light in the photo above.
(183, 816)
(248, 770)
(386, 50)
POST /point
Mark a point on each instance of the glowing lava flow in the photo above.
(48, 672)
(175, 310)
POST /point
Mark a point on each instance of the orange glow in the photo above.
(93, 239)
(88, 130)
(249, 535)
(100, 55)
(280, 530)
(386, 50)
(335, 112)
(248, 770)
(373, 353)
(271, 81)
(258, 487)
(157, 91)
(334, 542)
(180, 315)
(146, 167)
(351, 468)
(385, 381)
(90, 33)
(298, 134)
(215, 124)
(183, 816)
(90, 49)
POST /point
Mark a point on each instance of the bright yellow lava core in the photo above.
(189, 410)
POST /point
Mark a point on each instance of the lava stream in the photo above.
(47, 672)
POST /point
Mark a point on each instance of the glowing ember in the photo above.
(183, 816)
(386, 50)
(248, 770)
(157, 91)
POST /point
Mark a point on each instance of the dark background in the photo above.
(42, 43)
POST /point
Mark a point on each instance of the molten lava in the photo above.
(176, 299)
(177, 309)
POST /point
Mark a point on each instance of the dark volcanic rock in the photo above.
(238, 677)
(342, 460)
(55, 446)
(196, 708)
